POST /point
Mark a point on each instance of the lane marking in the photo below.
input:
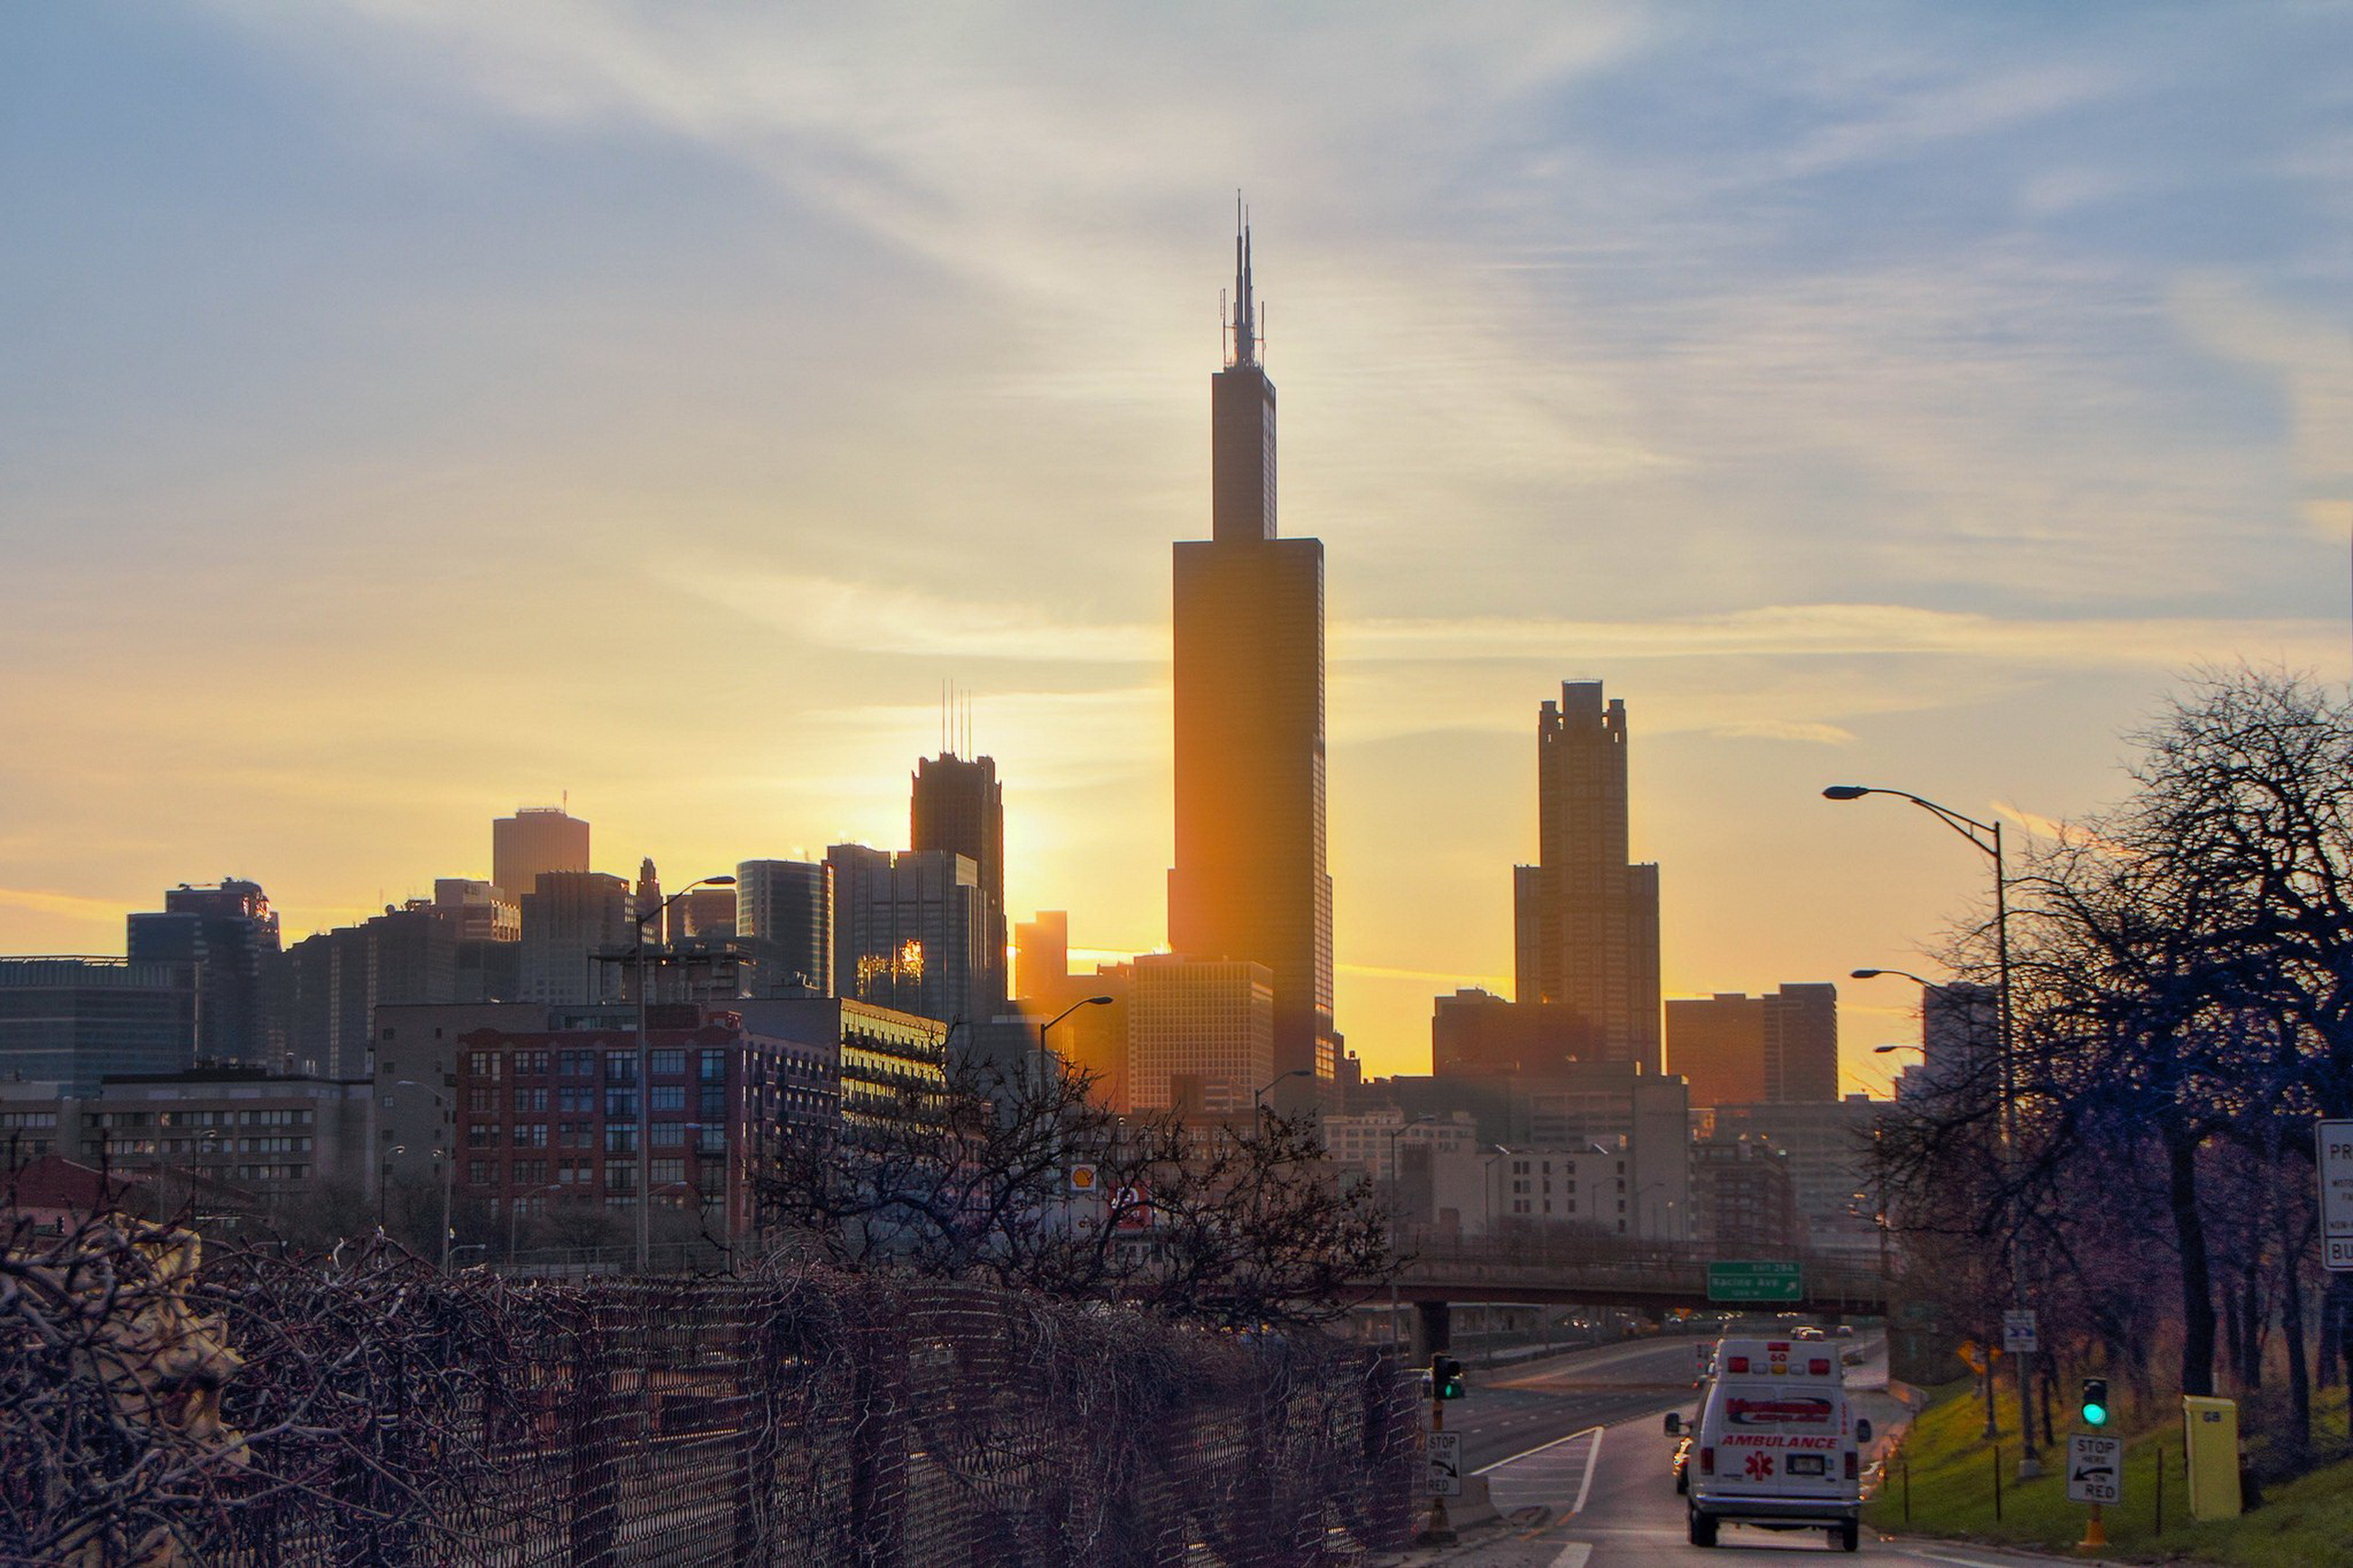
(1530, 1453)
(1574, 1555)
(1592, 1467)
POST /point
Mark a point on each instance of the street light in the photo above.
(1396, 1215)
(645, 1066)
(384, 1179)
(1258, 1096)
(1986, 839)
(1081, 1001)
(449, 1166)
(1493, 1186)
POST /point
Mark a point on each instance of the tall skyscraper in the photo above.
(910, 931)
(784, 920)
(1200, 1034)
(569, 919)
(536, 838)
(1250, 883)
(1778, 1049)
(226, 933)
(1587, 922)
(959, 806)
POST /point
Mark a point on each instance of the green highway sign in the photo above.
(1755, 1283)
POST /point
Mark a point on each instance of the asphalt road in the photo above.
(1578, 1463)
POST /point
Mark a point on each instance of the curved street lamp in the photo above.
(1986, 839)
(1081, 1001)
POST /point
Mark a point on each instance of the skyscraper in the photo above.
(1250, 882)
(784, 919)
(1587, 922)
(571, 920)
(957, 805)
(910, 931)
(227, 934)
(536, 838)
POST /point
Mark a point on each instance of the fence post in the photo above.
(594, 1511)
(1996, 1483)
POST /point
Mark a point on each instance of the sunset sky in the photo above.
(412, 409)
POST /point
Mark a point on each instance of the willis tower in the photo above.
(1250, 881)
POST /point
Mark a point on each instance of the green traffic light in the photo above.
(1447, 1378)
(2095, 1402)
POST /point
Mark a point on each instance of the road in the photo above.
(1576, 1460)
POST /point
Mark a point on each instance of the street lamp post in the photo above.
(1493, 1186)
(1397, 1214)
(644, 1067)
(1986, 839)
(384, 1180)
(448, 1158)
(1081, 1001)
(1257, 1096)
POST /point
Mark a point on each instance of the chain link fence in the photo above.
(368, 1409)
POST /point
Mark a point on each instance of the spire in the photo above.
(1245, 321)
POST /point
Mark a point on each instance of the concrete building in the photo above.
(1585, 922)
(571, 921)
(1960, 1039)
(477, 911)
(957, 808)
(1250, 882)
(72, 1020)
(226, 933)
(1210, 1022)
(1738, 1050)
(1743, 1202)
(911, 932)
(536, 838)
(1370, 1141)
(1826, 1150)
(784, 926)
(335, 981)
(1477, 1032)
(1502, 1192)
(277, 1135)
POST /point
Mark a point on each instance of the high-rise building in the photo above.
(536, 838)
(1200, 1034)
(1801, 1062)
(571, 921)
(228, 933)
(476, 910)
(337, 979)
(69, 1021)
(1250, 883)
(1736, 1049)
(1585, 922)
(958, 807)
(784, 922)
(911, 932)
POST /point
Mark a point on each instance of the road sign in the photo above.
(2096, 1469)
(2018, 1332)
(1446, 1464)
(1755, 1283)
(2335, 1162)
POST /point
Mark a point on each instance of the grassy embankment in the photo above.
(2307, 1520)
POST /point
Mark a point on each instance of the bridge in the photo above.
(1440, 1272)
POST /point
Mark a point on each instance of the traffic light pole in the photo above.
(1439, 1531)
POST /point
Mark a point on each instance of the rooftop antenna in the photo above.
(1244, 351)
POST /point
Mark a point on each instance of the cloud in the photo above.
(65, 906)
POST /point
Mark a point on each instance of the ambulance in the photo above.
(1777, 1442)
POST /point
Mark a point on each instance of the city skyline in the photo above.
(1860, 398)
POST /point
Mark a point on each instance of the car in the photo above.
(1682, 1465)
(1808, 1333)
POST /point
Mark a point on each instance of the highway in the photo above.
(1577, 1462)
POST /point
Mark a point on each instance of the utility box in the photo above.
(2209, 1441)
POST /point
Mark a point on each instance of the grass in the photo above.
(2305, 1522)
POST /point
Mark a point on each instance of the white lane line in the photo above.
(1530, 1453)
(1592, 1467)
(1574, 1555)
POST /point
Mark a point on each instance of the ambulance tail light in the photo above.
(1707, 1461)
(1819, 1366)
(1853, 1464)
(1738, 1363)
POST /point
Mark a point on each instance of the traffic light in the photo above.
(1446, 1377)
(2095, 1402)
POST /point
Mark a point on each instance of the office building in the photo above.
(334, 982)
(1826, 1148)
(477, 911)
(911, 932)
(270, 1135)
(784, 926)
(703, 915)
(1200, 1034)
(69, 1021)
(1487, 1191)
(1367, 1140)
(1250, 884)
(226, 933)
(1586, 922)
(536, 838)
(573, 922)
(1736, 1049)
(957, 808)
(1476, 1032)
(1744, 1203)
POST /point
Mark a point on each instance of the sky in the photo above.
(414, 409)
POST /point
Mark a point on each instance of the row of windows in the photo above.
(97, 1121)
(618, 1176)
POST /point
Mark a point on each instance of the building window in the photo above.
(711, 1102)
(578, 1099)
(620, 1178)
(481, 1100)
(530, 1135)
(620, 1066)
(710, 1141)
(483, 1064)
(576, 1135)
(575, 1064)
(481, 1135)
(620, 1102)
(666, 1063)
(620, 1140)
(530, 1064)
(482, 1173)
(667, 1097)
(714, 1067)
(530, 1173)
(669, 1135)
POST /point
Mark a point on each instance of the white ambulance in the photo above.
(1777, 1444)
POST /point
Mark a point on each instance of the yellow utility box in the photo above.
(2210, 1440)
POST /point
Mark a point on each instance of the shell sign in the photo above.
(1082, 1178)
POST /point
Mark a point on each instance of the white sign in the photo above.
(2096, 1469)
(2018, 1332)
(2335, 1160)
(1446, 1464)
